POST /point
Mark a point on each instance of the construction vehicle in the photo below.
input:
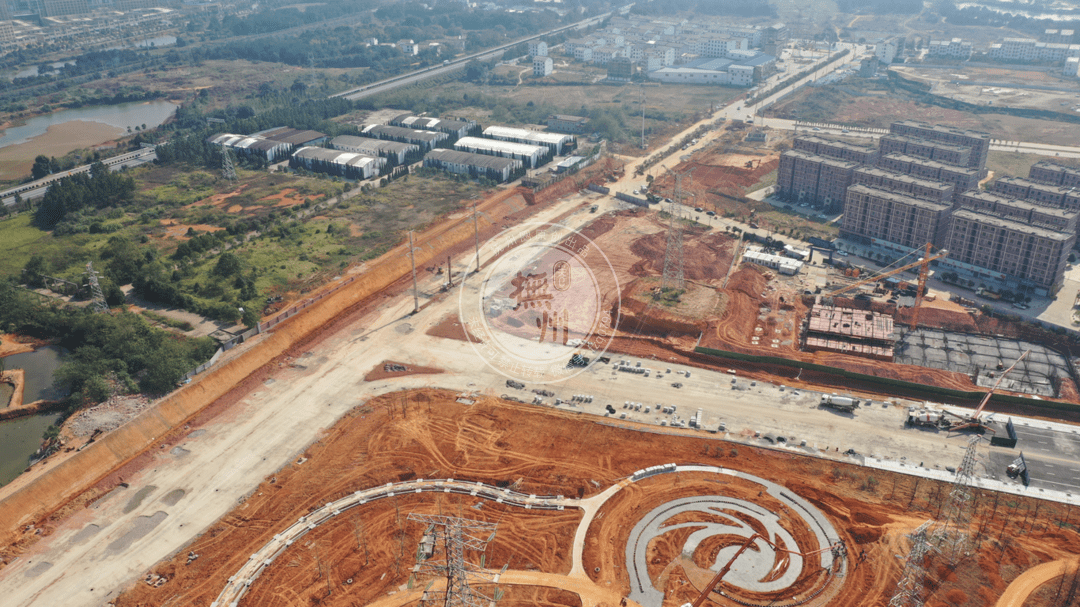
(927, 417)
(840, 403)
(975, 421)
(924, 271)
(838, 550)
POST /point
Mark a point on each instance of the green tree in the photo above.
(250, 319)
(227, 265)
(41, 168)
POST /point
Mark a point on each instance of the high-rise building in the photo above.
(872, 215)
(836, 149)
(1054, 174)
(979, 142)
(818, 180)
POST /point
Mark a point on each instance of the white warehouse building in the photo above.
(474, 165)
(530, 155)
(271, 150)
(556, 141)
(375, 147)
(345, 164)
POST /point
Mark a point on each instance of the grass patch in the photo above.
(766, 181)
(183, 325)
(19, 240)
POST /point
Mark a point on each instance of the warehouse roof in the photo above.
(482, 161)
(245, 142)
(536, 136)
(338, 157)
(373, 145)
(397, 131)
(289, 135)
(479, 143)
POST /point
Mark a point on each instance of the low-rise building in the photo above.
(872, 215)
(1029, 50)
(950, 49)
(558, 143)
(531, 155)
(888, 51)
(565, 123)
(904, 184)
(425, 139)
(349, 165)
(993, 246)
(538, 48)
(542, 66)
(251, 145)
(835, 149)
(294, 137)
(817, 180)
(487, 166)
(395, 151)
(408, 47)
(780, 263)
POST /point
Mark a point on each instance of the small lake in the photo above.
(137, 113)
(21, 438)
(158, 42)
(34, 71)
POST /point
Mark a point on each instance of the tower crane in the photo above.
(838, 547)
(924, 271)
(974, 420)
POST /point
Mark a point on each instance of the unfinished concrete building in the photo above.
(849, 331)
(1054, 174)
(1040, 193)
(1062, 220)
(905, 184)
(947, 153)
(835, 149)
(876, 216)
(962, 178)
(993, 246)
(978, 141)
(818, 180)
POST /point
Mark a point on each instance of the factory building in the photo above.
(872, 215)
(349, 165)
(427, 140)
(474, 165)
(454, 128)
(294, 137)
(565, 123)
(250, 145)
(558, 143)
(395, 151)
(835, 149)
(818, 180)
(531, 155)
(904, 184)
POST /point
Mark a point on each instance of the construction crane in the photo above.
(924, 271)
(838, 547)
(974, 421)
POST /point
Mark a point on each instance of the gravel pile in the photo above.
(108, 415)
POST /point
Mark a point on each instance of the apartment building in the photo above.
(818, 180)
(872, 215)
(956, 48)
(887, 51)
(1058, 36)
(904, 184)
(835, 149)
(1041, 193)
(946, 153)
(1062, 220)
(1045, 171)
(962, 178)
(1029, 50)
(997, 247)
(538, 49)
(542, 66)
(978, 141)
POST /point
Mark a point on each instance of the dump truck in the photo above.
(840, 403)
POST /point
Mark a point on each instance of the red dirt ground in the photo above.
(426, 434)
(379, 372)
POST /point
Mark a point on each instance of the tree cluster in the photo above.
(99, 188)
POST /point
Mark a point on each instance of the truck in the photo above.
(987, 294)
(925, 417)
(840, 403)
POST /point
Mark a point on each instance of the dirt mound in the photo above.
(451, 327)
(706, 255)
(388, 368)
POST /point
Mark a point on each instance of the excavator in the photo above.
(924, 271)
(838, 548)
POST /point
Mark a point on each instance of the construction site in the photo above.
(416, 498)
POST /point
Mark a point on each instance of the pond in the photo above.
(21, 438)
(121, 116)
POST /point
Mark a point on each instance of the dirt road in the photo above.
(1029, 581)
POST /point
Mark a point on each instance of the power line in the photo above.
(456, 536)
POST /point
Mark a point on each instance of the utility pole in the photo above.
(412, 260)
(643, 116)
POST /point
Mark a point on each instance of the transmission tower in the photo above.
(456, 535)
(951, 536)
(228, 171)
(97, 298)
(673, 254)
(909, 590)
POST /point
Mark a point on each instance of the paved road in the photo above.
(36, 189)
(456, 64)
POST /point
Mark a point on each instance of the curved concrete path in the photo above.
(577, 581)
